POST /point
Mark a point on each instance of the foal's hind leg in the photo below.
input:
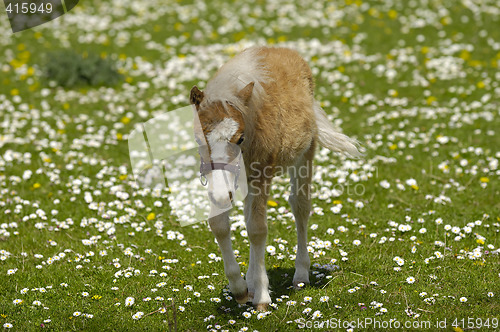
(220, 228)
(300, 201)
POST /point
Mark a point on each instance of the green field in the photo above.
(407, 235)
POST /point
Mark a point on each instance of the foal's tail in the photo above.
(332, 139)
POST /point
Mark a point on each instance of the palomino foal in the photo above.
(262, 101)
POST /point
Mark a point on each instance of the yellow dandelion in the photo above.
(392, 14)
(178, 26)
(445, 20)
(465, 55)
(239, 35)
(151, 216)
(272, 203)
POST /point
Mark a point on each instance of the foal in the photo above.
(262, 101)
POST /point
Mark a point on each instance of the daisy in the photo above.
(463, 299)
(317, 314)
(138, 315)
(271, 250)
(129, 301)
(410, 280)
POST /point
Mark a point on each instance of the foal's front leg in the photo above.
(256, 221)
(220, 228)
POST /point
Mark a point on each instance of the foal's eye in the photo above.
(242, 138)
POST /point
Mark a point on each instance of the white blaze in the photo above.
(221, 182)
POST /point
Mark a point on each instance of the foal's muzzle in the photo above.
(206, 168)
(220, 182)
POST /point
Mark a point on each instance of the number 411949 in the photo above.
(26, 7)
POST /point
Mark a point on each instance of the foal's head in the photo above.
(221, 134)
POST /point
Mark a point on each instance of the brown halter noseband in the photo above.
(206, 168)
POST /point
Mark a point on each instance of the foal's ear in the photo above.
(246, 92)
(196, 96)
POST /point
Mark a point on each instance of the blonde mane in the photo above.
(233, 76)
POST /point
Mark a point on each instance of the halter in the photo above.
(206, 168)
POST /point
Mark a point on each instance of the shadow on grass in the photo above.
(280, 284)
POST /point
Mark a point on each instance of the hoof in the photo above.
(243, 298)
(262, 307)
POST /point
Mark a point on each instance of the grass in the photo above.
(430, 133)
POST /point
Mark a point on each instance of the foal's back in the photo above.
(286, 125)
